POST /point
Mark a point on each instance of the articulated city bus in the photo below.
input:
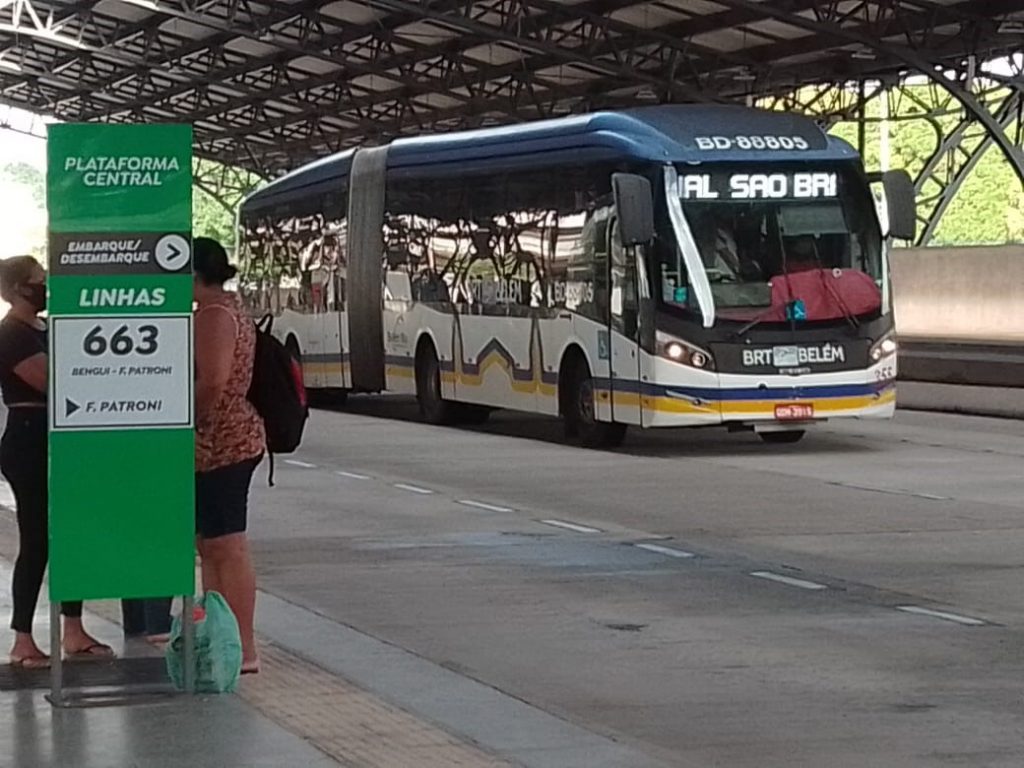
(658, 267)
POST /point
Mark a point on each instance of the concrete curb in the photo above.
(998, 402)
(499, 723)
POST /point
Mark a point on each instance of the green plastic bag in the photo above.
(218, 656)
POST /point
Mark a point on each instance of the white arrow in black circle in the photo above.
(172, 252)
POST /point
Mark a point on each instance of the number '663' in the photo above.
(123, 341)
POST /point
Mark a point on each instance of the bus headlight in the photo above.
(883, 349)
(679, 351)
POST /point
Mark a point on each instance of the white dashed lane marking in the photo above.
(789, 580)
(919, 611)
(571, 526)
(483, 506)
(413, 489)
(662, 550)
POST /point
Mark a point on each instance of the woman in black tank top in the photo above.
(23, 458)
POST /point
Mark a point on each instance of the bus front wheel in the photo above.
(433, 407)
(580, 414)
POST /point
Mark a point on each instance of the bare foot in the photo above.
(81, 644)
(30, 662)
(26, 654)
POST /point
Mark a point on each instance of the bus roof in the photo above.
(681, 133)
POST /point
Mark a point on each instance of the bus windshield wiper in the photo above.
(754, 323)
(831, 291)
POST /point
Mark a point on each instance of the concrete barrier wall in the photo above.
(973, 294)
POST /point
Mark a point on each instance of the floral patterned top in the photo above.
(234, 432)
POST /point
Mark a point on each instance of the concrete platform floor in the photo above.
(492, 597)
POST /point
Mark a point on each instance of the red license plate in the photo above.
(794, 412)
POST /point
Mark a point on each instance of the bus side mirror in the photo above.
(634, 203)
(901, 203)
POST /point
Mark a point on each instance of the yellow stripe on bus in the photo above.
(328, 367)
(746, 408)
(494, 359)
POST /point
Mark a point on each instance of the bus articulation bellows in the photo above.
(657, 267)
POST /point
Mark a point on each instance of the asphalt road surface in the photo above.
(854, 600)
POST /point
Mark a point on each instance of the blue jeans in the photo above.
(146, 617)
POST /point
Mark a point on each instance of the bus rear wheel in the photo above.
(433, 407)
(580, 414)
(783, 438)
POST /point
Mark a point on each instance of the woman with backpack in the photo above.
(230, 439)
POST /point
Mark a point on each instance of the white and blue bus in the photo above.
(657, 267)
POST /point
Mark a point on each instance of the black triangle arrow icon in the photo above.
(71, 406)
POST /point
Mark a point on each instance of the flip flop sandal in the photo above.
(251, 668)
(94, 652)
(30, 662)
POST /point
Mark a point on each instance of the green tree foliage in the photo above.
(211, 219)
(29, 176)
(216, 195)
(988, 209)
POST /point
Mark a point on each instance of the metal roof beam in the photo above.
(464, 24)
(766, 54)
(164, 49)
(595, 29)
(297, 40)
(915, 61)
(954, 159)
(408, 60)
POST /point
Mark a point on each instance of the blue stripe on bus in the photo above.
(744, 393)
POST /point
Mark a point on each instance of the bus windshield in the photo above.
(769, 242)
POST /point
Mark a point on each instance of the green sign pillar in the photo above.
(121, 408)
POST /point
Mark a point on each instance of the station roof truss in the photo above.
(271, 84)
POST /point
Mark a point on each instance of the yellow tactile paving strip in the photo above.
(352, 726)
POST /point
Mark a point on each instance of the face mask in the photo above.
(35, 294)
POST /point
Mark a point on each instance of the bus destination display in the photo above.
(802, 185)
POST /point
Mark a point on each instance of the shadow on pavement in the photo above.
(654, 443)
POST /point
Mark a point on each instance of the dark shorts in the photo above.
(222, 499)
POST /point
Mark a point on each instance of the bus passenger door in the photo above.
(333, 372)
(399, 332)
(624, 331)
(313, 325)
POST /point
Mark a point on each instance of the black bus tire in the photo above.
(433, 407)
(580, 413)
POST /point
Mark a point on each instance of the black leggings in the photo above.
(23, 459)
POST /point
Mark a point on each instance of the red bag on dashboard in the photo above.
(826, 294)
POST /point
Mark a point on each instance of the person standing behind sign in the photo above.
(230, 439)
(23, 459)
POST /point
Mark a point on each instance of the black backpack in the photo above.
(278, 393)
